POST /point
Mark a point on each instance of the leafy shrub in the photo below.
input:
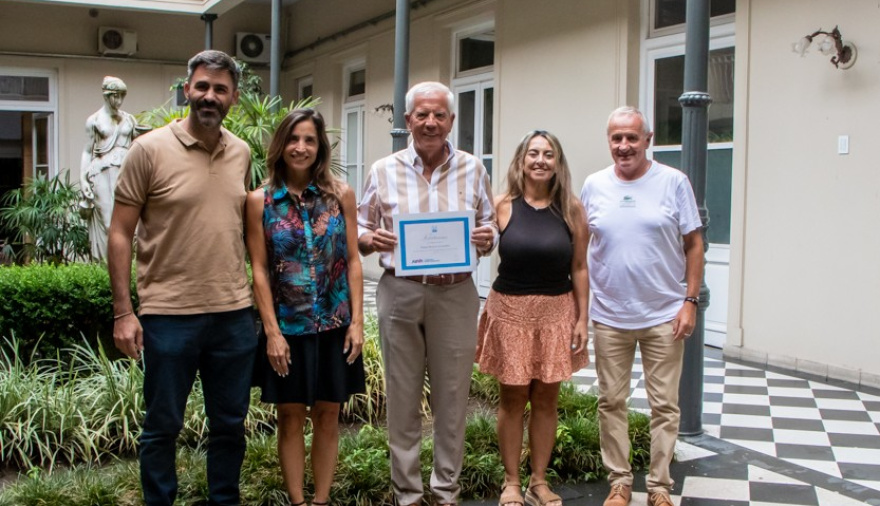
(485, 387)
(363, 475)
(43, 215)
(87, 413)
(369, 407)
(50, 307)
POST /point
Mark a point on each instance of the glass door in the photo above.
(41, 139)
(353, 146)
(666, 83)
(473, 133)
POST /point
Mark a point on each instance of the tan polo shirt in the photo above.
(190, 245)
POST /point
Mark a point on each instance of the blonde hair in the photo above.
(562, 200)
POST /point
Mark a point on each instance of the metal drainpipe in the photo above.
(209, 29)
(399, 133)
(275, 53)
(695, 104)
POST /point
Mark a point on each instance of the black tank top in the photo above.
(536, 251)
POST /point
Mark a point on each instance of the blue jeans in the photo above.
(221, 347)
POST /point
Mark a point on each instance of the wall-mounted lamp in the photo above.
(829, 43)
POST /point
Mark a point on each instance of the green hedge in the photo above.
(55, 306)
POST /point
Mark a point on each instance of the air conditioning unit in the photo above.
(252, 47)
(116, 41)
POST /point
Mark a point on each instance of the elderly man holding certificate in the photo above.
(427, 194)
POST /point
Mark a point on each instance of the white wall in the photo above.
(805, 249)
(566, 79)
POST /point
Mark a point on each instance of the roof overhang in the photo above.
(196, 7)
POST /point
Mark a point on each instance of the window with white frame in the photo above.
(31, 96)
(24, 88)
(475, 51)
(473, 84)
(474, 89)
(353, 146)
(353, 133)
(667, 119)
(304, 88)
(668, 16)
(180, 99)
(355, 83)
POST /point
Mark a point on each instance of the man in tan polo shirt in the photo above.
(426, 322)
(183, 187)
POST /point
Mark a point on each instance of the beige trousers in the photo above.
(661, 362)
(434, 328)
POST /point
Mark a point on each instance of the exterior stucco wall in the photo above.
(61, 29)
(63, 39)
(805, 256)
(565, 80)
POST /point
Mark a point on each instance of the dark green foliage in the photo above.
(363, 475)
(482, 470)
(576, 455)
(485, 387)
(44, 218)
(640, 437)
(55, 305)
(369, 407)
(87, 411)
(573, 403)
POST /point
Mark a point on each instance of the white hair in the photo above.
(629, 110)
(426, 88)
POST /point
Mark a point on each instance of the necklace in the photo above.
(536, 207)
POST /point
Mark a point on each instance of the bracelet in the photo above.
(118, 316)
(695, 301)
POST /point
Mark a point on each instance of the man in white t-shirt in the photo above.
(646, 266)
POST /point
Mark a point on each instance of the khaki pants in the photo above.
(662, 362)
(435, 327)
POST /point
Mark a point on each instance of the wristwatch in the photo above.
(694, 300)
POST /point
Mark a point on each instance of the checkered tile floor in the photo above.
(770, 438)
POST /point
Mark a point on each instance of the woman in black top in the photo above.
(533, 330)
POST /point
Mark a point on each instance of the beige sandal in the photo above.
(509, 497)
(546, 499)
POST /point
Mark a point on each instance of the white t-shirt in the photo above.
(636, 252)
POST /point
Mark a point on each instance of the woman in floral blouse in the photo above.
(308, 283)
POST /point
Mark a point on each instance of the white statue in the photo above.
(109, 132)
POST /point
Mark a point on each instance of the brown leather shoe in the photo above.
(659, 498)
(620, 495)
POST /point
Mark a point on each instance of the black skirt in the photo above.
(318, 370)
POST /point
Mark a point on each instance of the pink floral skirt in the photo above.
(528, 337)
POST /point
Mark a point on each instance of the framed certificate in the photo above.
(434, 243)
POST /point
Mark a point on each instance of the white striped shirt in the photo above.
(396, 186)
